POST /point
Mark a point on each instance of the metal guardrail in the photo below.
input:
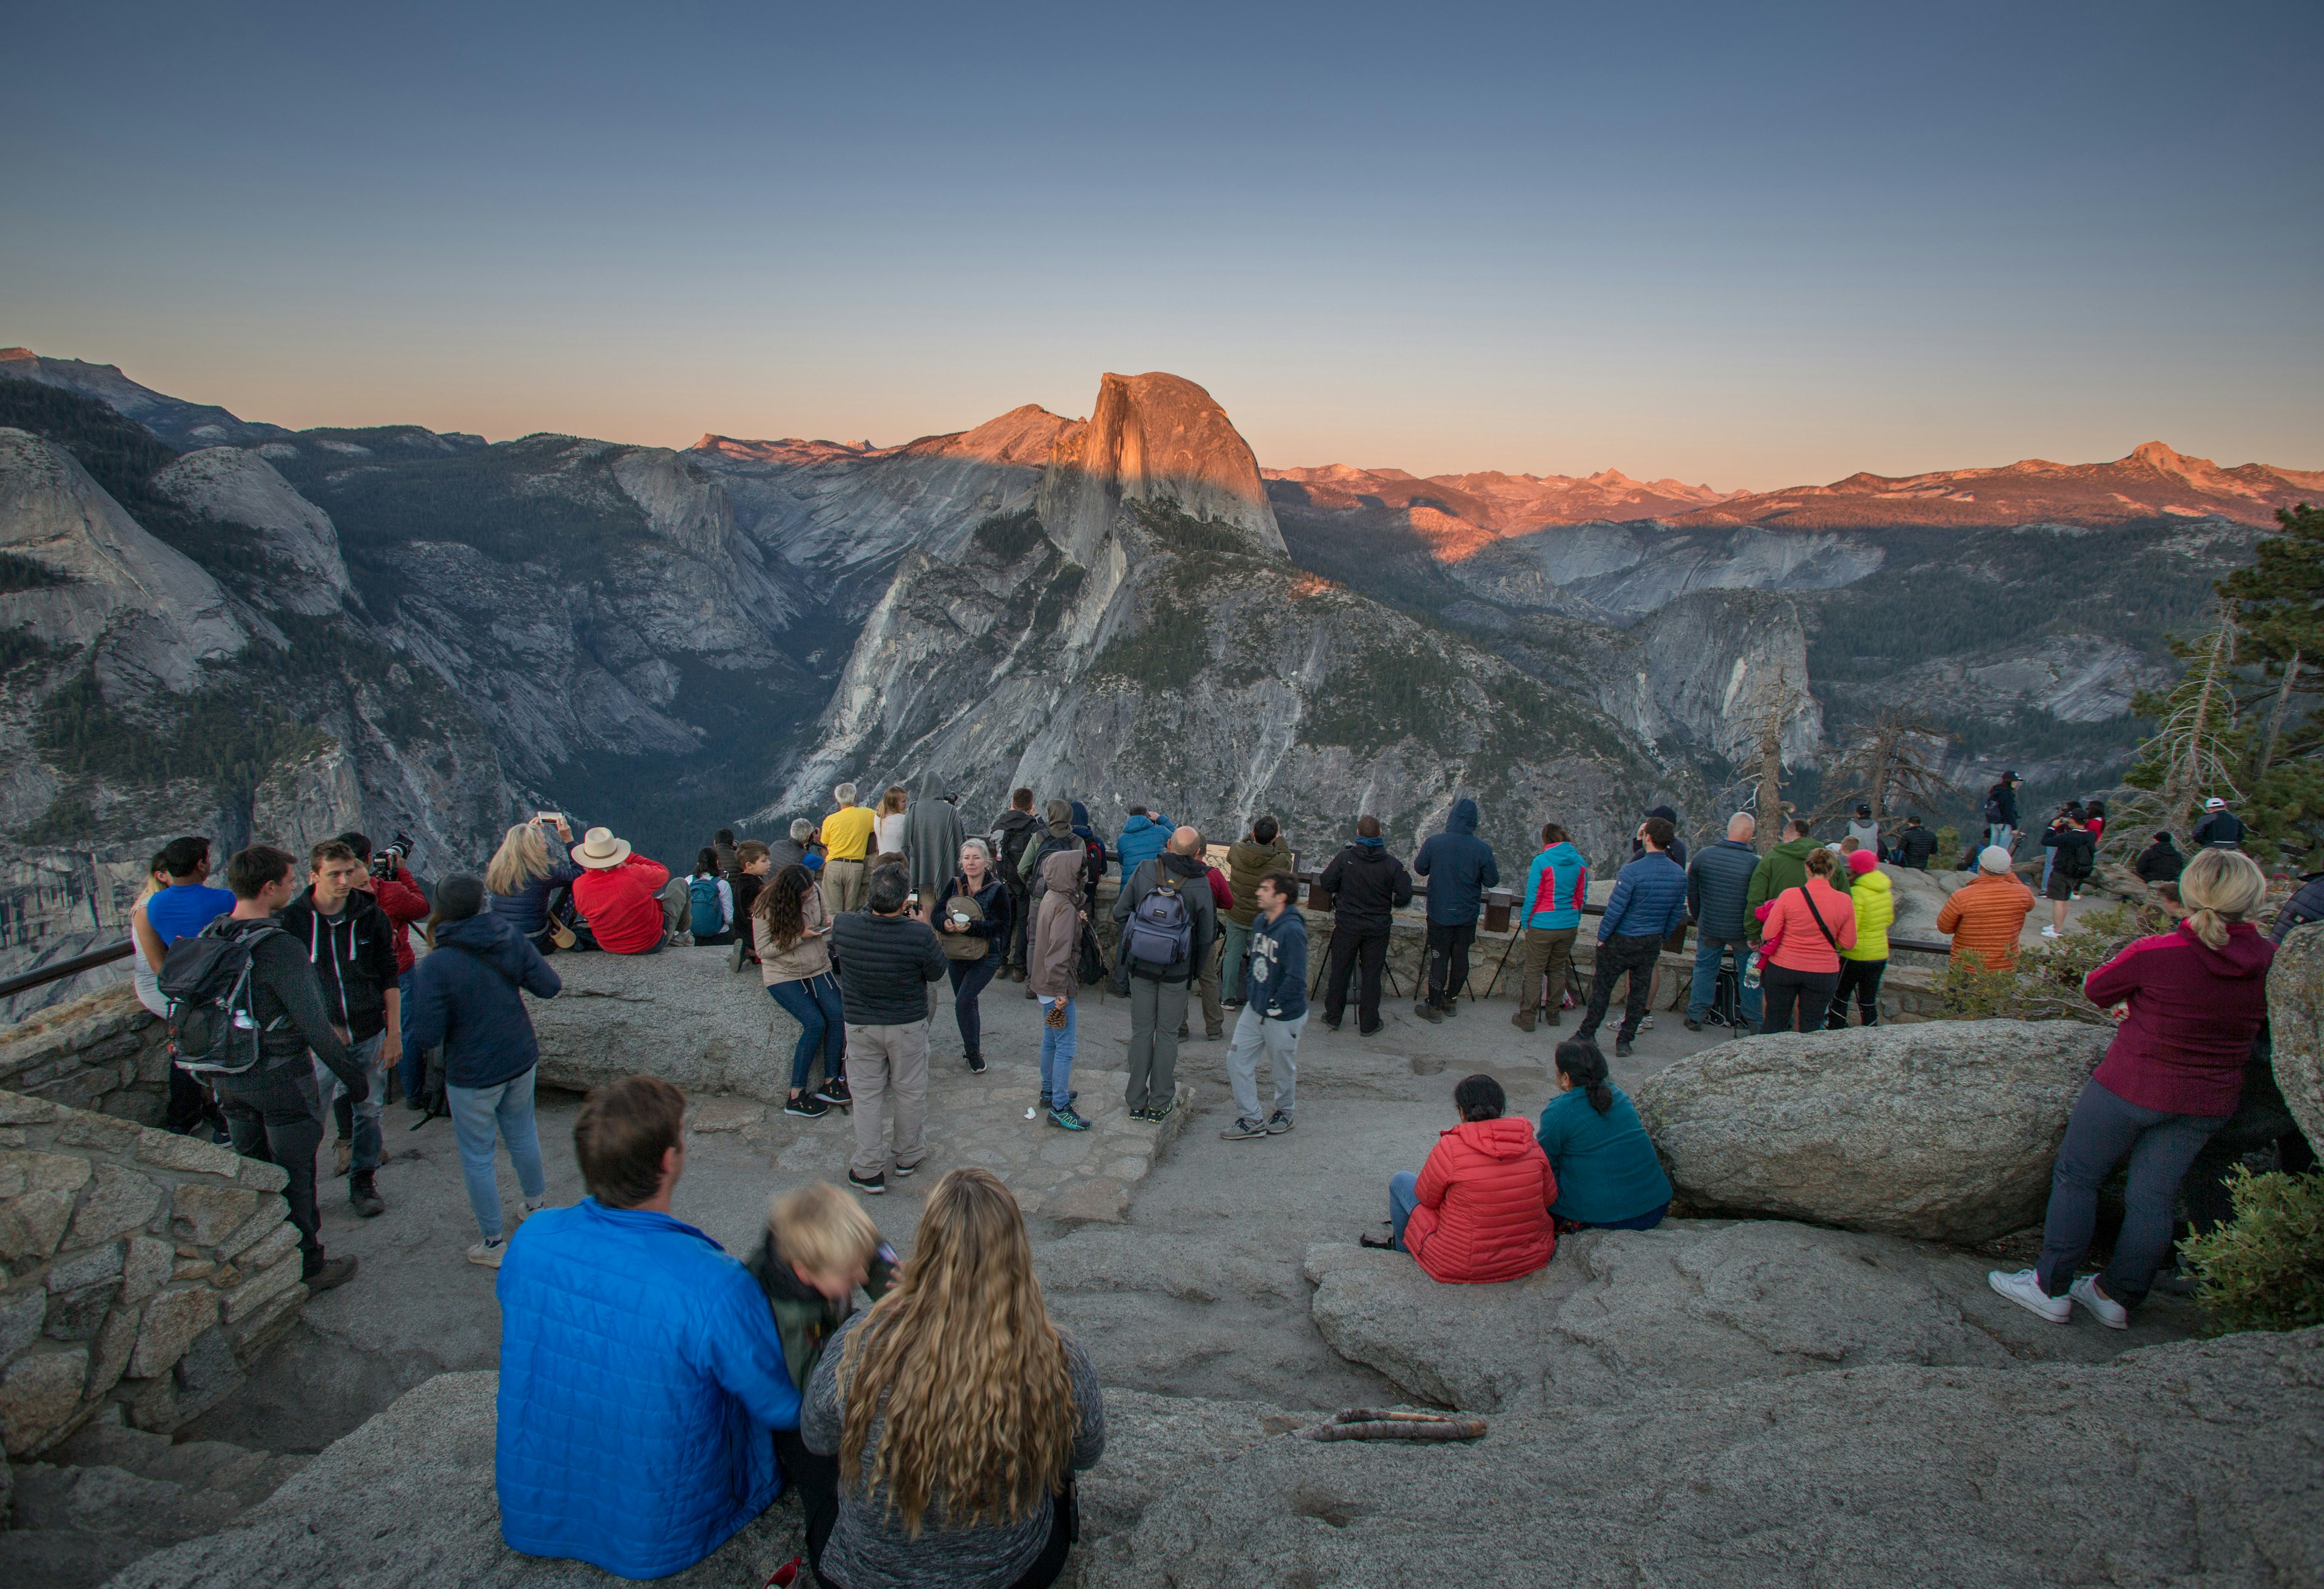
(57, 971)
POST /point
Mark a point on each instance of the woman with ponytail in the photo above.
(2192, 999)
(958, 1413)
(1608, 1175)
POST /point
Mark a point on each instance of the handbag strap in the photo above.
(1809, 900)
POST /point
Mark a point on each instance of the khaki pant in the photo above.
(1548, 952)
(889, 1065)
(844, 884)
(1206, 989)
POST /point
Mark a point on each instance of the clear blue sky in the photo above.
(1745, 245)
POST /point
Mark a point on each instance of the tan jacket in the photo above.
(1055, 964)
(810, 957)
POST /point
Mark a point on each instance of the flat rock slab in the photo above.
(1690, 1303)
(1945, 1131)
(680, 1014)
(2190, 1462)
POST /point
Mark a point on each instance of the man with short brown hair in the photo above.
(641, 1369)
(351, 944)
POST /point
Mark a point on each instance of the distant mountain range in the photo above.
(216, 623)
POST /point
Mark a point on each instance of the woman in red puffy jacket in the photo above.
(1478, 1210)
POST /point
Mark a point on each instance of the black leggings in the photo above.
(1860, 978)
(1788, 994)
(969, 978)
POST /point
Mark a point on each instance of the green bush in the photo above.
(2263, 1269)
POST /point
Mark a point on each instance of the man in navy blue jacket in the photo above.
(1648, 905)
(1459, 867)
(1275, 982)
(641, 1371)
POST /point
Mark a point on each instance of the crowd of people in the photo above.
(655, 1393)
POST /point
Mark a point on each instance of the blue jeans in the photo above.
(1057, 1052)
(1403, 1198)
(2103, 1130)
(411, 1070)
(476, 1112)
(813, 1004)
(1707, 952)
(366, 1120)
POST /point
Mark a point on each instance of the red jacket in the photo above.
(1484, 1197)
(2193, 1012)
(1221, 891)
(404, 904)
(623, 904)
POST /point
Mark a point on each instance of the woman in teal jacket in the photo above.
(1609, 1177)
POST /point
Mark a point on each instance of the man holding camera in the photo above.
(351, 945)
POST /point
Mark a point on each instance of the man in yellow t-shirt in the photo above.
(846, 835)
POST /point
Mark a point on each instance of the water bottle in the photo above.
(1751, 970)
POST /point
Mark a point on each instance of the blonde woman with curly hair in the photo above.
(958, 1412)
(524, 881)
(2192, 1000)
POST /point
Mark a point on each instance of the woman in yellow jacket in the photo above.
(1862, 965)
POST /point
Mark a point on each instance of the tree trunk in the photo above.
(2275, 718)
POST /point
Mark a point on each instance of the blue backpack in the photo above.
(1160, 932)
(702, 895)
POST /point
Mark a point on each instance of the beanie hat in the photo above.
(460, 897)
(1860, 862)
(1993, 858)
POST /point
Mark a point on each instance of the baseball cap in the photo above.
(2214, 804)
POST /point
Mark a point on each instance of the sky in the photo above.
(1741, 244)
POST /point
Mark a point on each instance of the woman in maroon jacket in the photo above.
(1478, 1212)
(2193, 999)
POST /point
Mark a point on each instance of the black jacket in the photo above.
(994, 900)
(354, 959)
(1365, 884)
(2160, 862)
(2221, 830)
(2076, 851)
(1914, 846)
(1010, 835)
(883, 961)
(2301, 908)
(1194, 880)
(2003, 797)
(287, 1005)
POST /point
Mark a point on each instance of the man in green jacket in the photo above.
(1262, 851)
(1785, 866)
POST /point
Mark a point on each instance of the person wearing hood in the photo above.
(1168, 922)
(1556, 887)
(2192, 1001)
(1089, 836)
(1459, 867)
(1478, 1212)
(1249, 859)
(466, 998)
(1785, 866)
(1367, 885)
(1012, 835)
(933, 836)
(1863, 963)
(1145, 836)
(2160, 862)
(1055, 977)
(351, 944)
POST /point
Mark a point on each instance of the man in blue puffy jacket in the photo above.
(1648, 905)
(640, 1372)
(1145, 836)
(1459, 867)
(1718, 897)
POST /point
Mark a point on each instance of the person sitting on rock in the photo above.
(641, 1369)
(1609, 1177)
(958, 1412)
(619, 893)
(1478, 1212)
(2193, 999)
(819, 1248)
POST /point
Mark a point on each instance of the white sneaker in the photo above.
(2049, 932)
(531, 1208)
(2110, 1313)
(489, 1254)
(2025, 1289)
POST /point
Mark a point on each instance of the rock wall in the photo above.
(140, 1268)
(2295, 1011)
(105, 1052)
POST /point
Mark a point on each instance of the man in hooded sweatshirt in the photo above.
(1785, 866)
(1367, 885)
(351, 944)
(1145, 836)
(933, 834)
(1157, 988)
(1459, 867)
(1555, 887)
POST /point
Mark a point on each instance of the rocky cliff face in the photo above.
(1154, 439)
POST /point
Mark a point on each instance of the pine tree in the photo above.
(2197, 745)
(2279, 609)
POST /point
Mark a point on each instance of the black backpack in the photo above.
(1009, 845)
(206, 978)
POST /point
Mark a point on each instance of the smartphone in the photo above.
(549, 816)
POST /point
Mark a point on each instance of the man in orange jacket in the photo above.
(1986, 913)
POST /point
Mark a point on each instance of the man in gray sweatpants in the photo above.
(1276, 983)
(1157, 989)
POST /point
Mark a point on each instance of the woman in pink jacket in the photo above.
(1807, 927)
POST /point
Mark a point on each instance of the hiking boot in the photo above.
(1451, 1006)
(2025, 1289)
(1523, 1020)
(489, 1251)
(1244, 1128)
(870, 1186)
(326, 1273)
(735, 956)
(1373, 1030)
(834, 1091)
(1016, 973)
(1428, 1013)
(807, 1106)
(1330, 1024)
(343, 1157)
(364, 1195)
(1621, 1047)
(1691, 1024)
(1552, 1018)
(1215, 1034)
(2110, 1313)
(1278, 1123)
(975, 1063)
(1182, 1034)
(1067, 1118)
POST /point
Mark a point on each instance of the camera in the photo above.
(387, 862)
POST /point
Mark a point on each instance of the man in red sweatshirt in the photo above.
(619, 893)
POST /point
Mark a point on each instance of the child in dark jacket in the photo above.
(819, 1247)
